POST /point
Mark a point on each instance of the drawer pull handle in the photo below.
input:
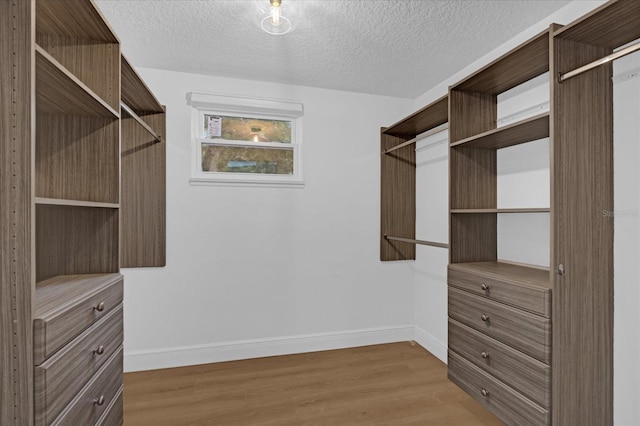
(99, 307)
(484, 355)
(484, 393)
(99, 401)
(484, 317)
(484, 287)
(99, 350)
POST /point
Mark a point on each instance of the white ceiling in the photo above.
(398, 48)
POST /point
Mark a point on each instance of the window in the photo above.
(245, 141)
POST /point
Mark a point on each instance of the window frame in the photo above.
(236, 106)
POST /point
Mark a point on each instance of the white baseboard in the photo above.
(246, 349)
(431, 344)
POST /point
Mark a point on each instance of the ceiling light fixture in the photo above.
(275, 23)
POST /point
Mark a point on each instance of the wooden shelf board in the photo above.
(521, 64)
(515, 210)
(532, 276)
(135, 92)
(611, 25)
(74, 19)
(75, 203)
(526, 130)
(432, 115)
(55, 294)
(58, 91)
(128, 112)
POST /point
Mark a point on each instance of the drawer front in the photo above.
(525, 374)
(50, 334)
(60, 378)
(114, 415)
(522, 330)
(505, 403)
(536, 300)
(96, 397)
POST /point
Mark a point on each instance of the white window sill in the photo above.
(198, 181)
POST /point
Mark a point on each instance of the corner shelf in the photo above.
(526, 130)
(58, 91)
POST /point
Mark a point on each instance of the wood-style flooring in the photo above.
(393, 384)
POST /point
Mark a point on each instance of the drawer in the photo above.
(60, 378)
(114, 414)
(97, 397)
(525, 374)
(67, 305)
(505, 403)
(522, 330)
(519, 286)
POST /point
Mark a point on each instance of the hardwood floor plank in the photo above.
(393, 384)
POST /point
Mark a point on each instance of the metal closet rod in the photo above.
(597, 63)
(431, 132)
(422, 242)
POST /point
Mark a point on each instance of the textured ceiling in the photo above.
(398, 48)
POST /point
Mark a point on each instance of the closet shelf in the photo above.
(74, 203)
(516, 210)
(128, 112)
(612, 25)
(432, 115)
(135, 92)
(521, 64)
(414, 241)
(58, 91)
(73, 19)
(526, 130)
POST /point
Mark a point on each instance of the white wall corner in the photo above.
(258, 348)
(431, 344)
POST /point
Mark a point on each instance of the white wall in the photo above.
(430, 267)
(262, 271)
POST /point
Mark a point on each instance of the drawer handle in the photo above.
(484, 317)
(99, 350)
(99, 401)
(484, 287)
(99, 307)
(484, 355)
(484, 393)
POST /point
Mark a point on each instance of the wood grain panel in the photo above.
(143, 197)
(508, 405)
(66, 305)
(135, 92)
(523, 373)
(114, 414)
(16, 218)
(473, 182)
(74, 240)
(518, 286)
(77, 158)
(582, 189)
(471, 114)
(521, 330)
(381, 385)
(61, 377)
(473, 238)
(84, 410)
(432, 115)
(520, 64)
(527, 130)
(397, 199)
(612, 25)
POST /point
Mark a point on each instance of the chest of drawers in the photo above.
(499, 331)
(78, 335)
